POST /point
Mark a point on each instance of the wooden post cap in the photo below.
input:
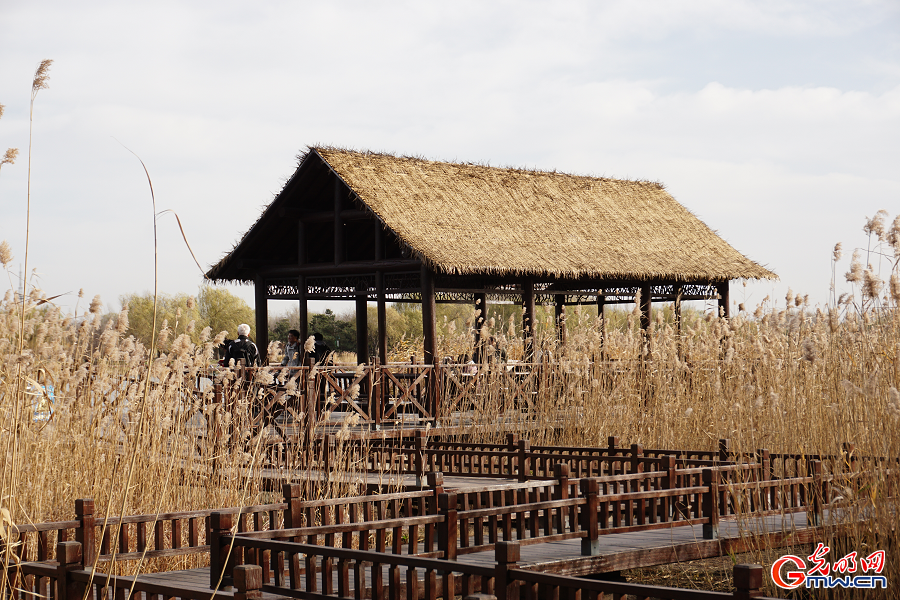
(447, 501)
(221, 520)
(84, 506)
(436, 478)
(507, 552)
(748, 577)
(291, 490)
(247, 577)
(561, 470)
(68, 553)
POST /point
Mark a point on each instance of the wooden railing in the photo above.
(517, 459)
(346, 572)
(413, 538)
(634, 491)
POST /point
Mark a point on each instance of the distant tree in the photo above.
(181, 313)
(223, 311)
(279, 325)
(339, 332)
(176, 313)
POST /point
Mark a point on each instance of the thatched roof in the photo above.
(474, 219)
(465, 218)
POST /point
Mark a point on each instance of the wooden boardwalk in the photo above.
(618, 551)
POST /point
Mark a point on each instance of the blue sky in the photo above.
(775, 122)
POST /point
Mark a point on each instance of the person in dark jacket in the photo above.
(242, 349)
(320, 350)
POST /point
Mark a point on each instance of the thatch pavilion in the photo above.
(375, 227)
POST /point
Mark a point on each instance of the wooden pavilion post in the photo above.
(429, 328)
(560, 311)
(382, 317)
(724, 302)
(362, 326)
(261, 295)
(601, 306)
(303, 326)
(303, 306)
(480, 305)
(646, 305)
(528, 317)
(679, 292)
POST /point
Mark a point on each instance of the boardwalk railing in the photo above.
(320, 572)
(405, 533)
(517, 459)
(346, 572)
(472, 518)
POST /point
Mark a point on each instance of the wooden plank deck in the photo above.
(618, 551)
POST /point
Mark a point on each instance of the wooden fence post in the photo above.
(748, 581)
(590, 543)
(815, 514)
(419, 444)
(561, 473)
(724, 452)
(436, 483)
(377, 394)
(293, 514)
(448, 532)
(312, 399)
(524, 460)
(328, 452)
(68, 558)
(668, 505)
(613, 450)
(220, 524)
(506, 555)
(637, 453)
(84, 535)
(248, 581)
(769, 496)
(711, 503)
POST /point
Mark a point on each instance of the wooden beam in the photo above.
(328, 215)
(301, 243)
(379, 242)
(262, 318)
(348, 268)
(339, 250)
(528, 317)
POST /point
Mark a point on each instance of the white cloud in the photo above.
(218, 101)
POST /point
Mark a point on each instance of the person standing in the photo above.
(293, 350)
(242, 349)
